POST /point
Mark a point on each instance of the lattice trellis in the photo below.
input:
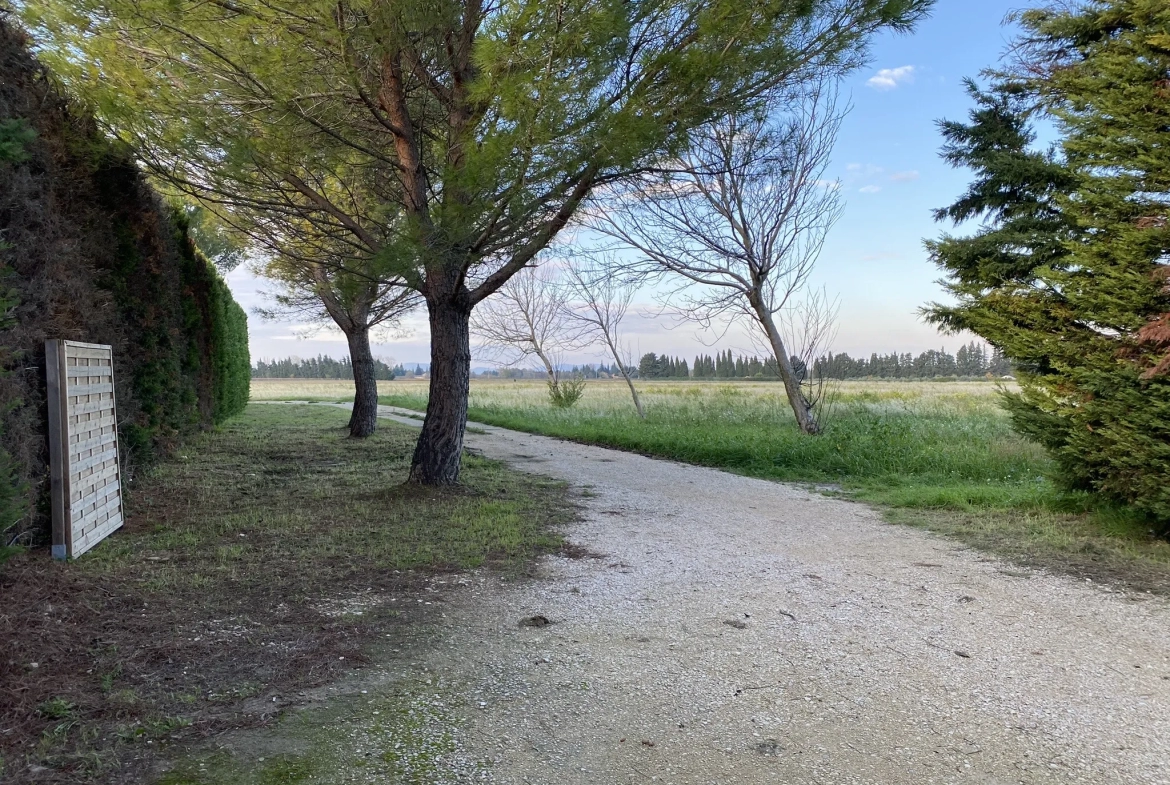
(83, 446)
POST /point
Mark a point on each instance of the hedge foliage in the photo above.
(89, 252)
(1069, 273)
(229, 352)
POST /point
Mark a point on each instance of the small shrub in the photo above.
(565, 392)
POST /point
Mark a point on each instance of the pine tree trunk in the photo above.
(440, 445)
(364, 419)
(800, 406)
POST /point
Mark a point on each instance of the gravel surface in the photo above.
(734, 630)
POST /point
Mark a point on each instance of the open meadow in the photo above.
(937, 455)
(918, 444)
(311, 389)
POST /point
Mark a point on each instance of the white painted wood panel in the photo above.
(83, 446)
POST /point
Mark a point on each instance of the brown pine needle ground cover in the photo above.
(261, 561)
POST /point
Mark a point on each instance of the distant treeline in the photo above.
(319, 367)
(974, 359)
(595, 371)
(723, 365)
(652, 366)
(588, 371)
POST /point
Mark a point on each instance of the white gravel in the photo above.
(861, 652)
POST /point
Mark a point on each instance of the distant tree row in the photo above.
(726, 366)
(595, 371)
(653, 366)
(723, 366)
(587, 371)
(319, 367)
(974, 359)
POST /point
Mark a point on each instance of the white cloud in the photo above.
(871, 189)
(905, 177)
(889, 78)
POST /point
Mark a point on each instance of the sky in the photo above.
(886, 160)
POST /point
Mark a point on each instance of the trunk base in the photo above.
(363, 421)
(439, 451)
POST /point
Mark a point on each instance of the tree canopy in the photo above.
(1068, 276)
(450, 139)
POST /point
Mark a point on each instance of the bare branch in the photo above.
(527, 317)
(602, 299)
(740, 219)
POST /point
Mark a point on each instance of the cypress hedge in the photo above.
(1068, 274)
(89, 252)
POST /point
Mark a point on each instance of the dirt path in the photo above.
(744, 631)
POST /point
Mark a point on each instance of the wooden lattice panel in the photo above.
(83, 446)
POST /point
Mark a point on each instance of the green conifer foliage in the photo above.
(1067, 277)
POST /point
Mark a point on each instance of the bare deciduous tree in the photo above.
(603, 300)
(740, 222)
(809, 328)
(528, 317)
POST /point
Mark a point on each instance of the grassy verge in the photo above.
(262, 560)
(906, 450)
(1105, 546)
(934, 455)
(316, 390)
(404, 731)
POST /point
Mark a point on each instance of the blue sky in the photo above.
(887, 161)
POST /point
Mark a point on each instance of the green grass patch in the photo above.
(401, 732)
(935, 455)
(1107, 546)
(937, 451)
(262, 559)
(301, 495)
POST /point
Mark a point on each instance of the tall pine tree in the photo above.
(1068, 276)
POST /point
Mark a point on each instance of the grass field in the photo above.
(261, 560)
(938, 455)
(313, 389)
(912, 444)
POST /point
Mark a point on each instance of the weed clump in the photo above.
(563, 393)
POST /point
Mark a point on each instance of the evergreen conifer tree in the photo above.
(1068, 279)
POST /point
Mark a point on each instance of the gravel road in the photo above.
(735, 630)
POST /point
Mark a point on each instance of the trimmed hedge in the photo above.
(233, 363)
(89, 252)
